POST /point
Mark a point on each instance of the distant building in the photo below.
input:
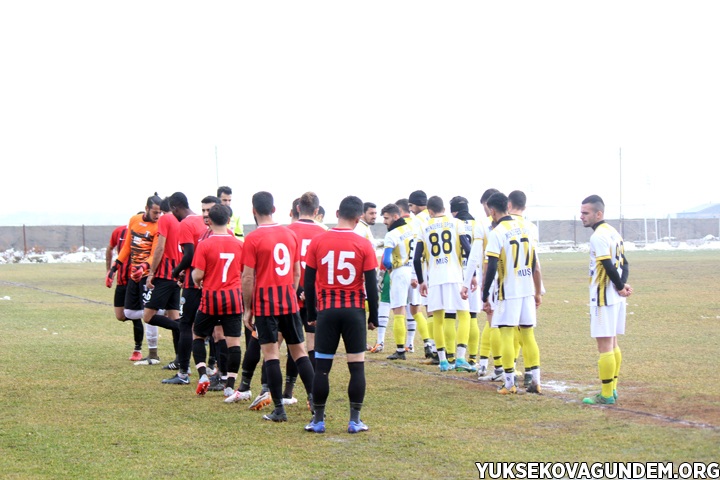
(709, 210)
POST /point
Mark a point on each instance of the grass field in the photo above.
(72, 406)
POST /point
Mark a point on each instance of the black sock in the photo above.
(230, 382)
(321, 387)
(185, 346)
(164, 322)
(138, 333)
(356, 389)
(176, 340)
(198, 348)
(306, 372)
(212, 350)
(274, 381)
(233, 362)
(291, 374)
(245, 380)
(311, 356)
(222, 356)
(263, 374)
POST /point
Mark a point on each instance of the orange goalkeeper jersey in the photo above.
(142, 236)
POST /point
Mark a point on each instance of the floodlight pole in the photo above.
(217, 171)
(622, 230)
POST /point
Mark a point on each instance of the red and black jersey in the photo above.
(117, 240)
(191, 229)
(219, 257)
(340, 257)
(305, 231)
(169, 227)
(272, 251)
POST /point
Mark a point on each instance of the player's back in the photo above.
(340, 257)
(605, 243)
(272, 250)
(219, 257)
(441, 236)
(511, 242)
(402, 241)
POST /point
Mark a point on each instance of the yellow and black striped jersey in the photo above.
(511, 242)
(605, 243)
(402, 242)
(441, 236)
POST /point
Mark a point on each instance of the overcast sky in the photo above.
(104, 103)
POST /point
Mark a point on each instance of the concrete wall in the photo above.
(65, 238)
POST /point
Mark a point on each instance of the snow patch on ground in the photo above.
(563, 246)
(80, 256)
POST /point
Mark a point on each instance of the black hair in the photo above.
(368, 205)
(178, 199)
(350, 208)
(391, 209)
(225, 190)
(435, 204)
(596, 201)
(488, 193)
(403, 205)
(294, 210)
(165, 204)
(321, 210)
(263, 204)
(517, 198)
(220, 214)
(498, 202)
(456, 201)
(308, 203)
(210, 199)
(153, 200)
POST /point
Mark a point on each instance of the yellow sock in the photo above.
(422, 325)
(496, 343)
(531, 352)
(618, 361)
(430, 328)
(438, 333)
(485, 340)
(399, 330)
(606, 365)
(516, 342)
(474, 339)
(507, 348)
(463, 329)
(450, 335)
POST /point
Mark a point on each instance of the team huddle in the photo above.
(308, 286)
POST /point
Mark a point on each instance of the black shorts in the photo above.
(165, 295)
(135, 294)
(205, 324)
(289, 325)
(189, 304)
(120, 296)
(303, 317)
(332, 323)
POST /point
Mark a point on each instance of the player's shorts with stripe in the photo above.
(189, 304)
(165, 295)
(515, 312)
(120, 292)
(303, 317)
(401, 293)
(290, 325)
(446, 296)
(608, 321)
(205, 324)
(135, 294)
(333, 323)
